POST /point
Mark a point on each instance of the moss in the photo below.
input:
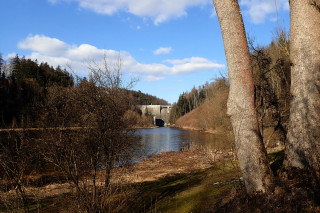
(276, 161)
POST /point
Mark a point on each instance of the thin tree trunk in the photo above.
(251, 152)
(23, 197)
(303, 146)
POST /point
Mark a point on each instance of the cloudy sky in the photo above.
(169, 45)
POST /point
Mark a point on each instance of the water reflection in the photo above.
(171, 139)
(161, 140)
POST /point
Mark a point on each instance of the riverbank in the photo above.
(145, 127)
(169, 166)
(172, 163)
(210, 131)
(184, 181)
(226, 135)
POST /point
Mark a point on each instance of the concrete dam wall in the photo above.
(160, 113)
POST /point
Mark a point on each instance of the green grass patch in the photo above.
(197, 191)
(193, 192)
(276, 161)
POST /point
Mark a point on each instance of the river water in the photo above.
(167, 139)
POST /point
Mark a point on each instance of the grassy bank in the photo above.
(186, 181)
(198, 191)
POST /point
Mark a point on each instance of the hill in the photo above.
(24, 86)
(210, 116)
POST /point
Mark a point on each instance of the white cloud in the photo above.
(158, 10)
(57, 52)
(213, 13)
(9, 56)
(193, 64)
(153, 78)
(43, 44)
(162, 50)
(259, 10)
(164, 10)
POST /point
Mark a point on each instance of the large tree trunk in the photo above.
(303, 146)
(241, 106)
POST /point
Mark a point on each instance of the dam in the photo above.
(160, 113)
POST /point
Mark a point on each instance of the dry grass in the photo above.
(210, 116)
(150, 169)
(169, 163)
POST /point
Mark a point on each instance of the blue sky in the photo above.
(170, 46)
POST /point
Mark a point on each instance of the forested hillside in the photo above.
(24, 86)
(196, 97)
(146, 99)
(205, 107)
(211, 114)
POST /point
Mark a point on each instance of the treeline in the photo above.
(146, 99)
(196, 97)
(23, 86)
(211, 114)
(271, 72)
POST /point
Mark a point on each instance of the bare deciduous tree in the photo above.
(18, 160)
(88, 135)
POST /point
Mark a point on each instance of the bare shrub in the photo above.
(88, 134)
(18, 160)
(271, 72)
(137, 119)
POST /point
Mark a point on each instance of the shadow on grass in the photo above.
(197, 191)
(192, 192)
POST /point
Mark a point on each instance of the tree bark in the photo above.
(303, 145)
(251, 152)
